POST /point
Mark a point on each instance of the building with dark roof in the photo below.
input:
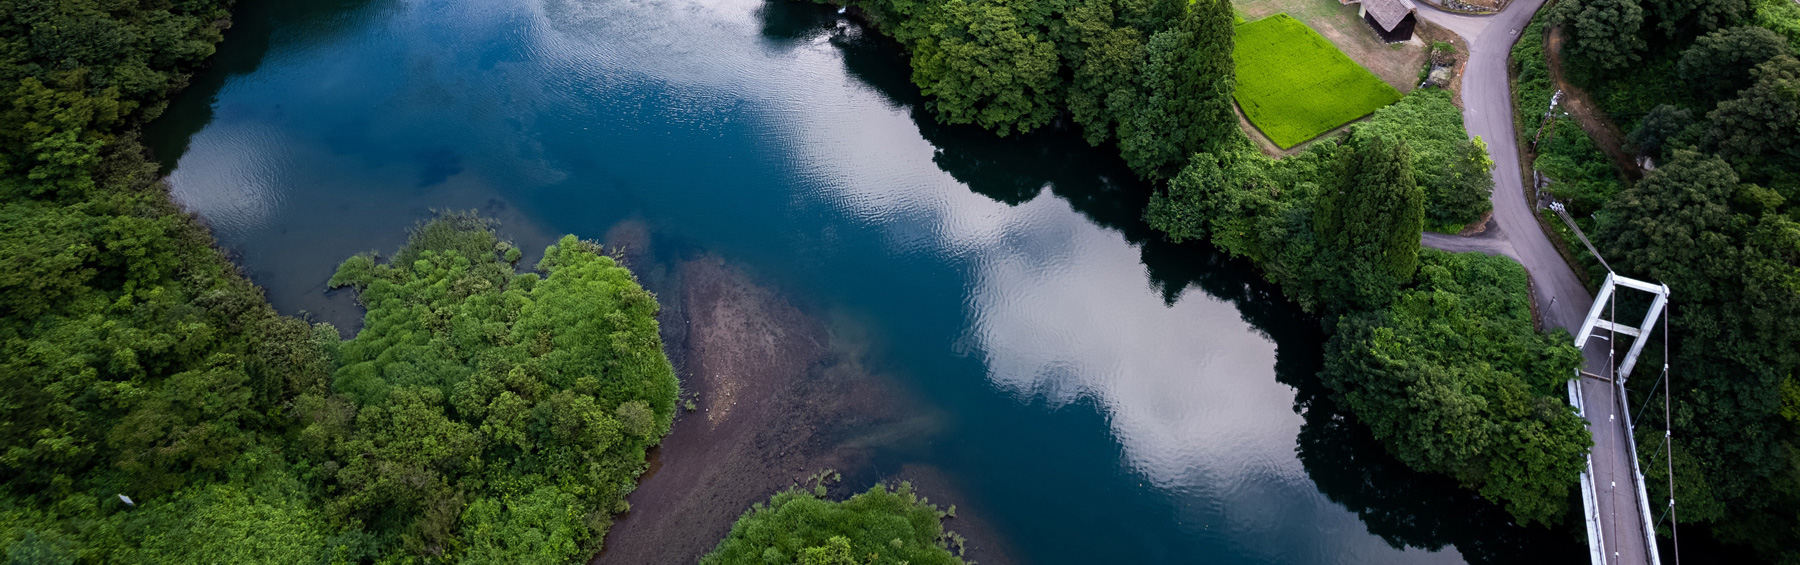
(1392, 20)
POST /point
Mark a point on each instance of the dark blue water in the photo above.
(1109, 397)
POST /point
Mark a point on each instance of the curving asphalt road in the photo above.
(1561, 299)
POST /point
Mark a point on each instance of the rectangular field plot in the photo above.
(1294, 85)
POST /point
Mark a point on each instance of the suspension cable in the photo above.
(1612, 373)
(1668, 431)
(1639, 418)
(1563, 213)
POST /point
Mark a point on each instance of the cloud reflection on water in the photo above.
(1061, 310)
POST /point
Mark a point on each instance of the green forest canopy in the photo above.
(1154, 75)
(136, 358)
(1454, 379)
(504, 415)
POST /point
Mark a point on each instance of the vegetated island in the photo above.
(882, 526)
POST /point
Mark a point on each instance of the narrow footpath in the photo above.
(1560, 298)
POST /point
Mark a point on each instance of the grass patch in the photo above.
(1294, 85)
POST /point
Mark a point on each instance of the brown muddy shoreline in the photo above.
(776, 399)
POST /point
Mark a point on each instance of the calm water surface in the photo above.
(1111, 398)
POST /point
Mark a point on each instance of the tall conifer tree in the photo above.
(1214, 32)
(1189, 77)
(1368, 225)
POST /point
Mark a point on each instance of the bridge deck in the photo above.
(1617, 489)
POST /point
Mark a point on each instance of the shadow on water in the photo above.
(1403, 507)
(247, 43)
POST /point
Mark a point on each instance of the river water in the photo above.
(1107, 397)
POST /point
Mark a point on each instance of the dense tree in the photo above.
(1781, 17)
(1686, 18)
(1368, 223)
(1719, 64)
(1189, 77)
(1453, 379)
(885, 526)
(267, 519)
(1454, 170)
(1157, 75)
(1254, 207)
(134, 359)
(1106, 58)
(1604, 35)
(1760, 129)
(1664, 126)
(74, 70)
(1669, 226)
(985, 64)
(1274, 212)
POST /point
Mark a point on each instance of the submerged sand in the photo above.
(777, 399)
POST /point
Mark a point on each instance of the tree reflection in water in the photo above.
(247, 43)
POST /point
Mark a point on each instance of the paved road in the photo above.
(1561, 299)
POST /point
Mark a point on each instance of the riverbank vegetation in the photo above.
(1295, 85)
(1434, 351)
(884, 525)
(1455, 380)
(137, 360)
(1154, 76)
(1712, 99)
(481, 415)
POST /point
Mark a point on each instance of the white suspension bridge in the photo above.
(1614, 496)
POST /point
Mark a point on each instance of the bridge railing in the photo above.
(1590, 502)
(1637, 477)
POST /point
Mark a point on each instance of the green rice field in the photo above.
(1294, 85)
